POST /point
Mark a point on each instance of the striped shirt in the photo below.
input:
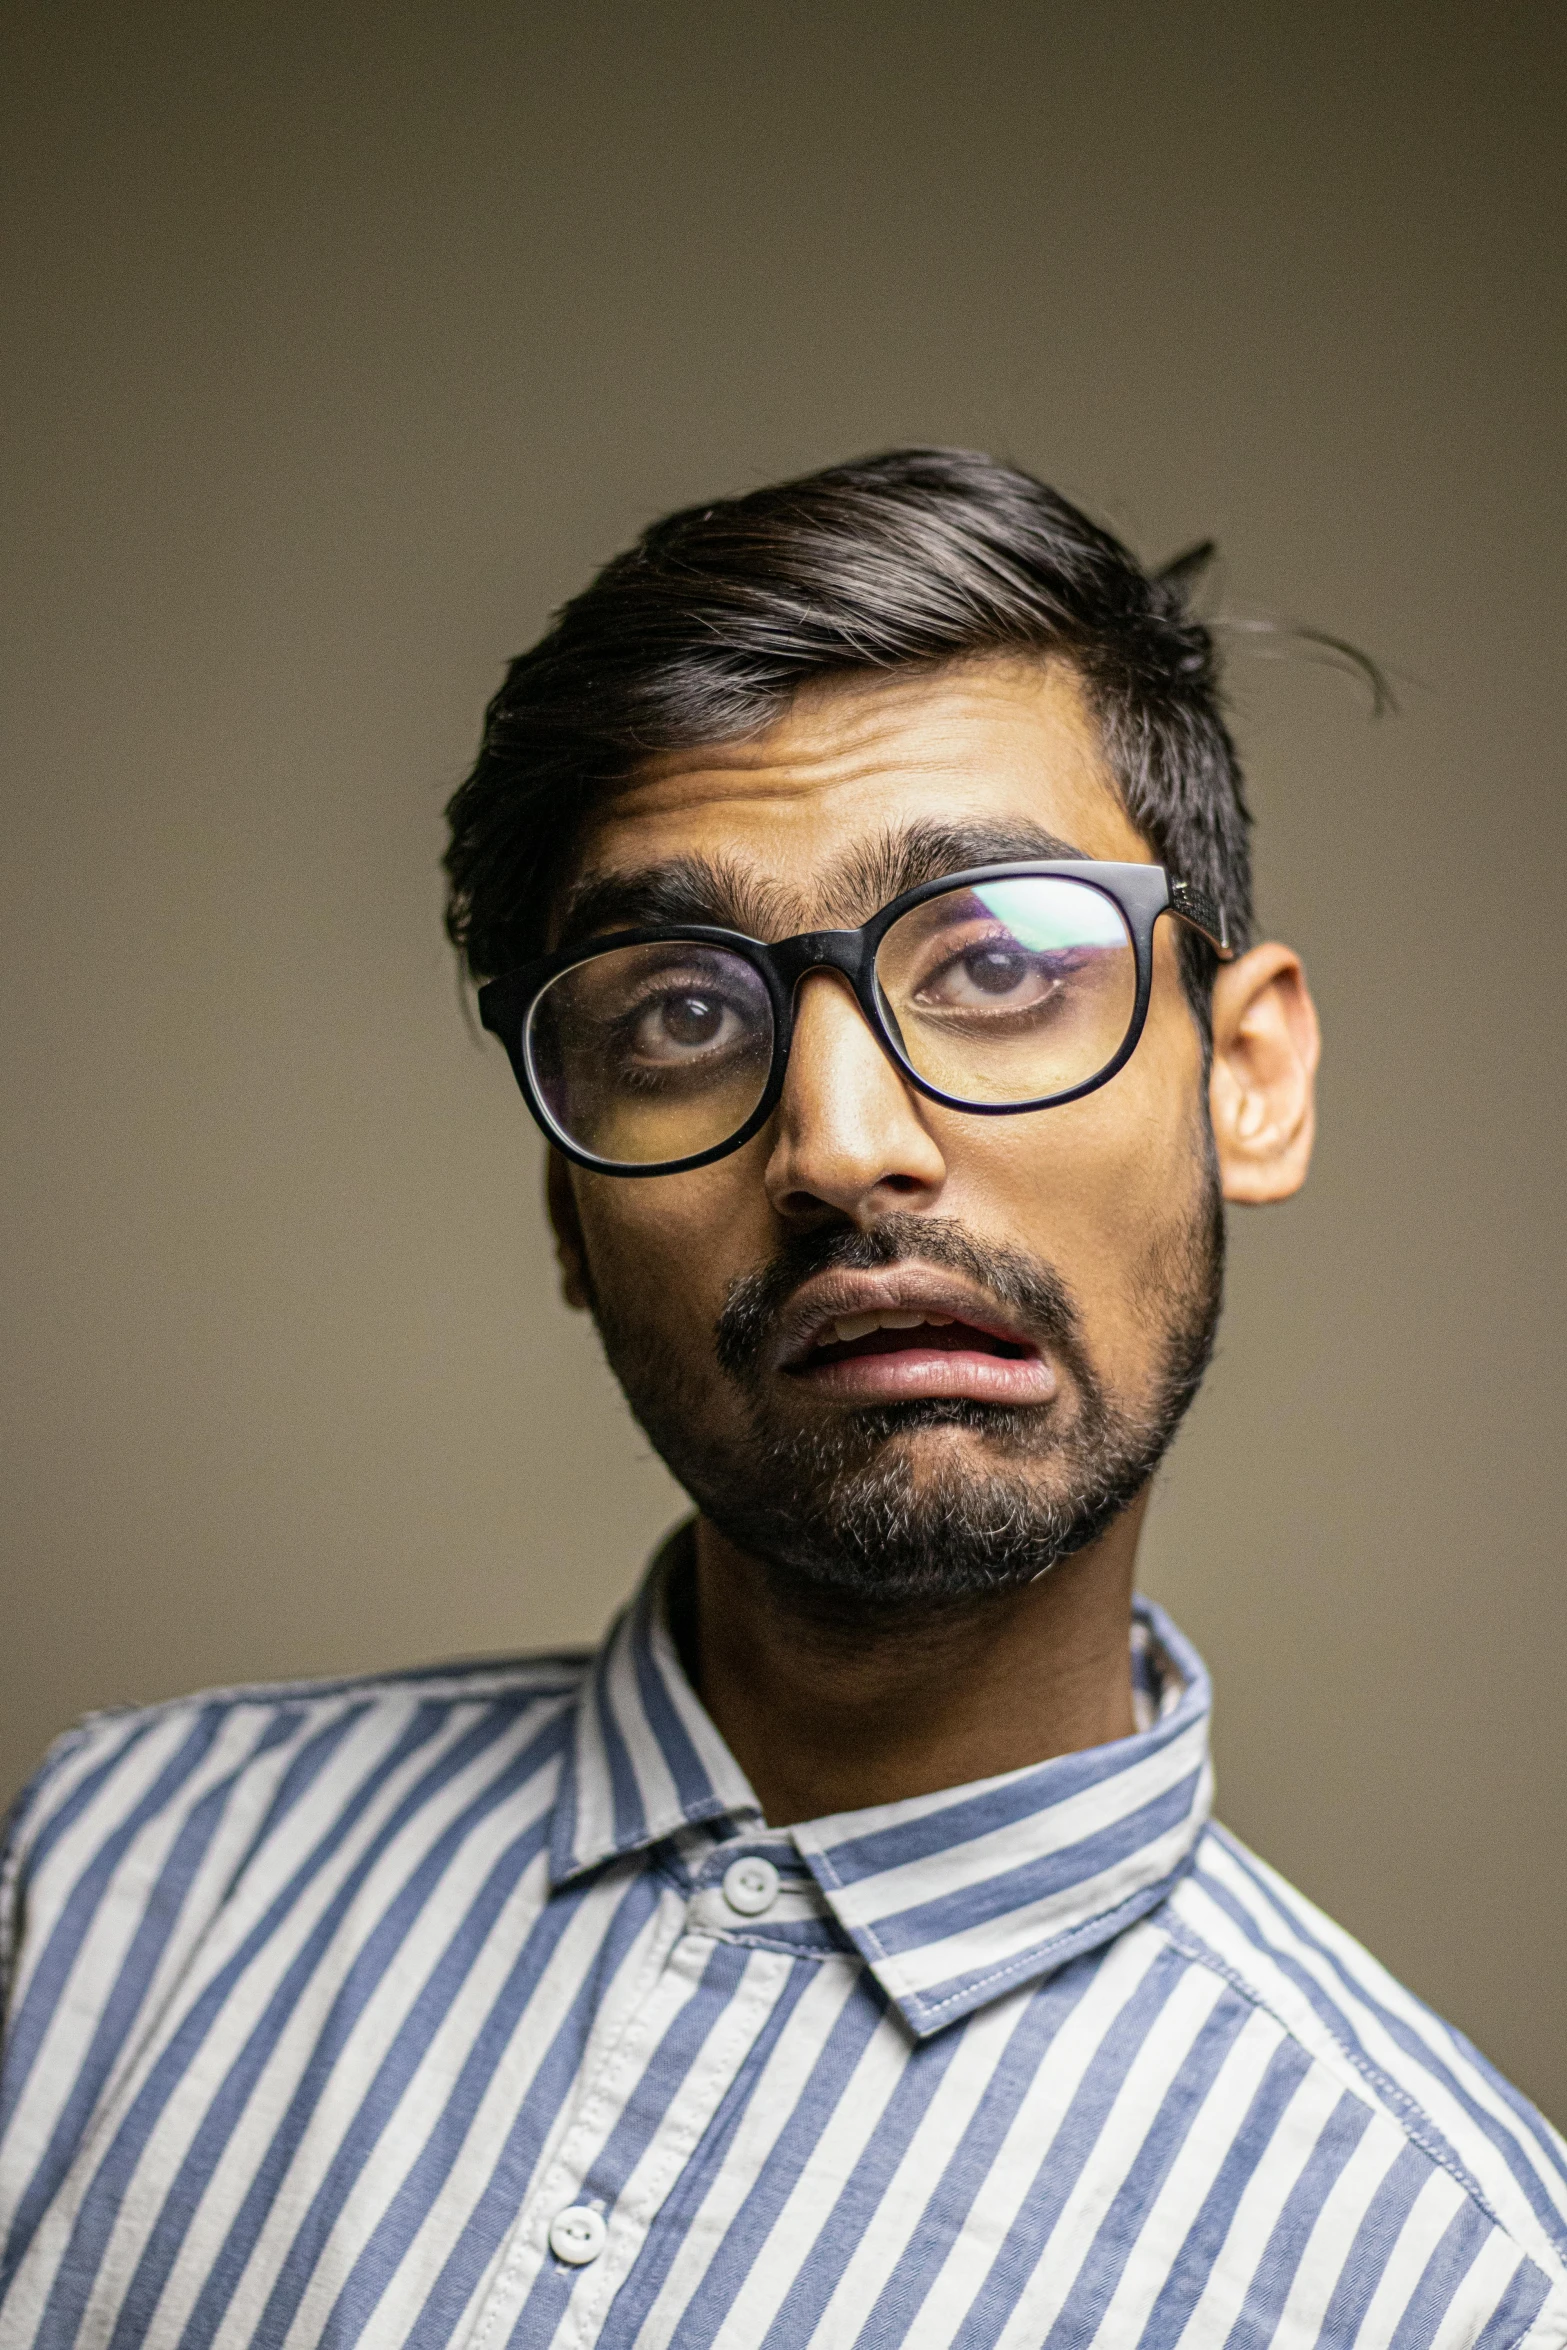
(479, 2006)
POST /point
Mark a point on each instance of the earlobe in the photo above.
(561, 1203)
(1262, 1092)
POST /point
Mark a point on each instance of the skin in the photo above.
(823, 1720)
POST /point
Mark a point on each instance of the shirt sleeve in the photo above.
(19, 1840)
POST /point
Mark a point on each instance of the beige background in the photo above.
(345, 343)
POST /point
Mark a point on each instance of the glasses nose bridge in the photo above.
(844, 952)
(847, 954)
(820, 950)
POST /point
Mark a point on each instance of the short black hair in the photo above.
(702, 630)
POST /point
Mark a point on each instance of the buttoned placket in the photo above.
(738, 1908)
(581, 2231)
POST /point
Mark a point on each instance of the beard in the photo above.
(849, 1521)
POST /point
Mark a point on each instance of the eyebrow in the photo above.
(726, 895)
(703, 890)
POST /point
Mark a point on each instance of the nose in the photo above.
(850, 1137)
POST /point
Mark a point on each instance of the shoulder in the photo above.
(1464, 2128)
(145, 1818)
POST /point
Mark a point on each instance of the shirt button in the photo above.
(577, 2235)
(751, 1886)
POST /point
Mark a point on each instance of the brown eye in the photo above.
(994, 972)
(685, 1028)
(994, 975)
(689, 1020)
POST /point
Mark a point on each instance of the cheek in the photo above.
(1096, 1187)
(1087, 1184)
(672, 1245)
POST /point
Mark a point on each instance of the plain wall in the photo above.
(345, 343)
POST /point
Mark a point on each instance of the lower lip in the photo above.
(912, 1372)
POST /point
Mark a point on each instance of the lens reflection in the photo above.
(1012, 991)
(652, 1053)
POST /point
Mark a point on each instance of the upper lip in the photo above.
(807, 1322)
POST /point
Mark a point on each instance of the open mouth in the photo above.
(901, 1354)
(855, 1336)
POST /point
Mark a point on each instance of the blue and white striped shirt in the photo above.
(413, 2010)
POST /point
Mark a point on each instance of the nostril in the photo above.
(807, 1207)
(802, 1205)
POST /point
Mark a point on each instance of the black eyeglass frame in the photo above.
(1141, 893)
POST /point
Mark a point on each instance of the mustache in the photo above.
(1034, 1291)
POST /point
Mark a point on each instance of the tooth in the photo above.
(855, 1326)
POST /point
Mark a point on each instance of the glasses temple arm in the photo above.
(1203, 913)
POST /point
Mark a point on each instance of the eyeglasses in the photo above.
(997, 990)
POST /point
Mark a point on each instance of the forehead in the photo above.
(851, 761)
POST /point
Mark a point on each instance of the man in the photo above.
(843, 1955)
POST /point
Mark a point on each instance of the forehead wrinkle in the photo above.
(836, 729)
(846, 728)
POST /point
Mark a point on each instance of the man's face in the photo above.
(1067, 1259)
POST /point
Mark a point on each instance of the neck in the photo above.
(826, 1717)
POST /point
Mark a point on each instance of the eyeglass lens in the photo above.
(1011, 991)
(652, 1052)
(1004, 993)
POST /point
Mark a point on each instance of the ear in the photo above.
(570, 1254)
(1262, 1092)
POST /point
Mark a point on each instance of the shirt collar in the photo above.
(951, 1899)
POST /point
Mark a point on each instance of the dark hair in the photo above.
(701, 631)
